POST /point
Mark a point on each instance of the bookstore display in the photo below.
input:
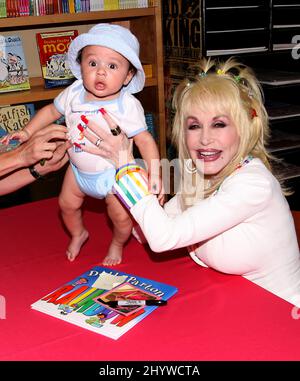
(138, 15)
(12, 8)
(106, 301)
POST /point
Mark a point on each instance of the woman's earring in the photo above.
(189, 165)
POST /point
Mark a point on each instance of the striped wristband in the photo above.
(131, 184)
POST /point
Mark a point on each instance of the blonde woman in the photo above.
(231, 212)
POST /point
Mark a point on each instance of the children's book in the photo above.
(14, 118)
(80, 301)
(53, 47)
(10, 146)
(13, 66)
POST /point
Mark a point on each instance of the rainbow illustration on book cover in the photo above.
(75, 303)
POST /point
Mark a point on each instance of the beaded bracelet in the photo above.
(131, 184)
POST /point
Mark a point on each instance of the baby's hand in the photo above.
(156, 187)
(22, 136)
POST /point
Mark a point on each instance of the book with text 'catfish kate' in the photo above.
(79, 301)
(13, 67)
(15, 118)
(53, 48)
(12, 119)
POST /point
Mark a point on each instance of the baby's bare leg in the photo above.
(70, 201)
(121, 232)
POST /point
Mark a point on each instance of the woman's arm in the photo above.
(40, 146)
(14, 172)
(242, 196)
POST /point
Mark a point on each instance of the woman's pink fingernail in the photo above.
(84, 119)
(80, 128)
(103, 112)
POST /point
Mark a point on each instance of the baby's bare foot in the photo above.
(76, 244)
(114, 255)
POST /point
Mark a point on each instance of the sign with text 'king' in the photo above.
(182, 30)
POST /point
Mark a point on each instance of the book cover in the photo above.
(8, 147)
(150, 122)
(75, 303)
(53, 47)
(13, 66)
(14, 118)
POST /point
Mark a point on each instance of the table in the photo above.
(212, 317)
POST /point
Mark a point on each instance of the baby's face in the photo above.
(104, 72)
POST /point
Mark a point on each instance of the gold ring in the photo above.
(116, 131)
(98, 142)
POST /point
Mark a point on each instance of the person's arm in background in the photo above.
(15, 173)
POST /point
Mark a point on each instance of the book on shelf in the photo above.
(13, 67)
(53, 47)
(17, 8)
(79, 301)
(150, 122)
(14, 118)
(125, 4)
(147, 69)
(3, 12)
(10, 146)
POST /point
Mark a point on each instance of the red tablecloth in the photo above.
(212, 317)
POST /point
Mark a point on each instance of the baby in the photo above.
(106, 63)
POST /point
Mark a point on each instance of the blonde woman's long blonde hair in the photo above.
(233, 89)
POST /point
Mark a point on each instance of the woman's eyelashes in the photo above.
(217, 124)
(193, 126)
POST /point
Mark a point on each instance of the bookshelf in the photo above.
(263, 34)
(145, 23)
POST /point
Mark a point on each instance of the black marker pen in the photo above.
(132, 302)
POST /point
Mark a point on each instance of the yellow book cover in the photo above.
(110, 5)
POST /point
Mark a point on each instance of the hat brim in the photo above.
(136, 84)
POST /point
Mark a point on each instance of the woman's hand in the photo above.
(117, 148)
(58, 160)
(48, 143)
